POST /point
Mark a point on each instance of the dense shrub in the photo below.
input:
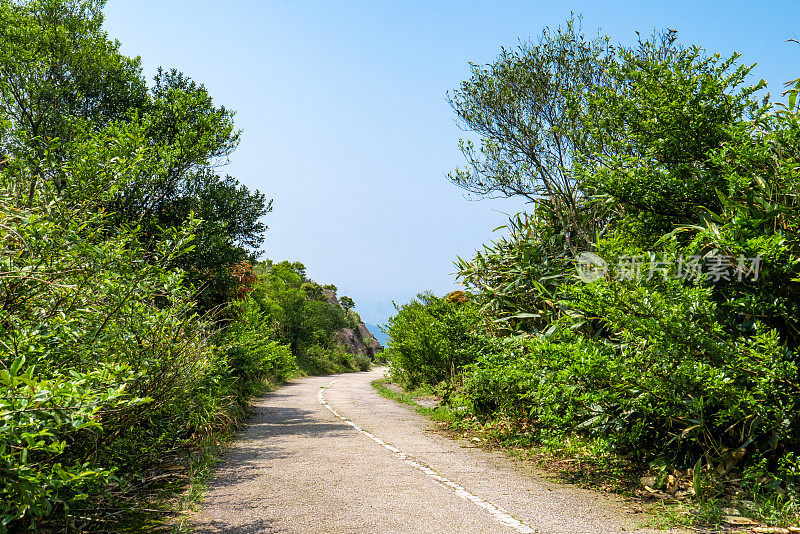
(251, 355)
(647, 397)
(318, 360)
(135, 322)
(549, 384)
(294, 309)
(431, 339)
(88, 353)
(658, 155)
(360, 362)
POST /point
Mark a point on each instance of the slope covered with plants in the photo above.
(648, 299)
(135, 318)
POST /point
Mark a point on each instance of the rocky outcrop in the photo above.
(330, 297)
(359, 341)
(354, 340)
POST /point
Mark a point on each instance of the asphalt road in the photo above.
(329, 455)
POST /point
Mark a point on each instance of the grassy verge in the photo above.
(438, 413)
(716, 507)
(161, 499)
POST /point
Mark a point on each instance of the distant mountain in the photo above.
(378, 333)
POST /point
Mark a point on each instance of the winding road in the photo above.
(329, 455)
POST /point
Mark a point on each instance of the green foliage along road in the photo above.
(656, 167)
(135, 319)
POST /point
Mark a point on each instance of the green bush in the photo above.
(657, 151)
(689, 387)
(665, 383)
(549, 384)
(431, 339)
(87, 354)
(360, 362)
(40, 418)
(251, 355)
(318, 360)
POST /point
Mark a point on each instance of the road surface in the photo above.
(329, 455)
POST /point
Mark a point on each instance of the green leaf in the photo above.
(18, 361)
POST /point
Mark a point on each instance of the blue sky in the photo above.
(346, 123)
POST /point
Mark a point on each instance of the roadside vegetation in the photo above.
(644, 311)
(136, 319)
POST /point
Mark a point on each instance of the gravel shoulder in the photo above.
(369, 464)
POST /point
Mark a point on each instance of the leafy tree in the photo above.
(528, 109)
(323, 320)
(656, 124)
(65, 84)
(60, 76)
(282, 300)
(346, 303)
(313, 291)
(230, 234)
(293, 307)
(187, 135)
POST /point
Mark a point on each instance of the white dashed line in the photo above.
(495, 511)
